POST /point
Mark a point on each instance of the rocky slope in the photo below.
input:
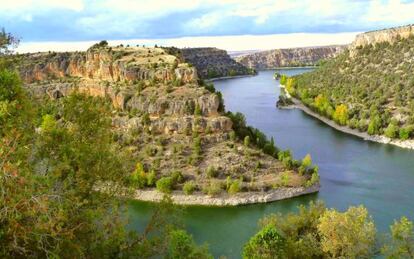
(213, 63)
(368, 88)
(174, 127)
(270, 59)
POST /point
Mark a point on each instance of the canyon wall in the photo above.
(293, 57)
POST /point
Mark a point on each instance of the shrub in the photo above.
(234, 187)
(177, 177)
(165, 184)
(189, 187)
(213, 188)
(151, 178)
(246, 141)
(211, 172)
(267, 243)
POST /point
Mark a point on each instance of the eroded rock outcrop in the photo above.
(270, 59)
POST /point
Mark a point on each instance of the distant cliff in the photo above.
(308, 56)
(389, 35)
(213, 63)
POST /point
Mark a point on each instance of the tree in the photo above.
(182, 245)
(401, 244)
(267, 243)
(165, 184)
(374, 125)
(391, 131)
(347, 235)
(7, 40)
(341, 114)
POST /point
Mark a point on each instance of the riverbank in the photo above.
(374, 138)
(199, 198)
(226, 77)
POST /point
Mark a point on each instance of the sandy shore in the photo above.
(242, 198)
(375, 138)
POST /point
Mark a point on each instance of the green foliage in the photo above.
(234, 187)
(401, 244)
(138, 178)
(211, 172)
(212, 188)
(189, 187)
(266, 244)
(405, 133)
(177, 177)
(391, 131)
(165, 184)
(375, 83)
(246, 141)
(283, 79)
(350, 234)
(182, 245)
(197, 110)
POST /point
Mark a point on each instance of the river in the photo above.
(353, 171)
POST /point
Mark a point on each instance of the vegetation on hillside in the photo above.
(318, 232)
(371, 90)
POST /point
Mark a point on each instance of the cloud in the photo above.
(46, 20)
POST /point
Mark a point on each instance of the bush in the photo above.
(211, 172)
(189, 187)
(151, 178)
(213, 188)
(267, 243)
(177, 177)
(165, 184)
(234, 187)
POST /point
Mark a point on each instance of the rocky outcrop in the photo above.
(390, 35)
(213, 63)
(109, 64)
(386, 35)
(270, 59)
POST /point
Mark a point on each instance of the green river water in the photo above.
(353, 171)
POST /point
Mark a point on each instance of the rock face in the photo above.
(213, 62)
(386, 35)
(289, 57)
(390, 35)
(113, 65)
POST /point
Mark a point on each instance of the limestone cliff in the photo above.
(270, 59)
(389, 35)
(386, 35)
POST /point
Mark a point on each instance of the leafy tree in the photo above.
(391, 131)
(165, 184)
(401, 244)
(347, 235)
(267, 243)
(182, 245)
(341, 114)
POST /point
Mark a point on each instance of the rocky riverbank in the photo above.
(243, 198)
(375, 138)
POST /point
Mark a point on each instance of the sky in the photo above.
(229, 24)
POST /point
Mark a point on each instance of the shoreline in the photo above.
(200, 199)
(226, 77)
(409, 144)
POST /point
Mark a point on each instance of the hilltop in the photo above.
(368, 88)
(174, 126)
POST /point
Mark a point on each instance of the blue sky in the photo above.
(64, 20)
(91, 20)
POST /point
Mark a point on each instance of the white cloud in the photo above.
(21, 6)
(230, 43)
(394, 11)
